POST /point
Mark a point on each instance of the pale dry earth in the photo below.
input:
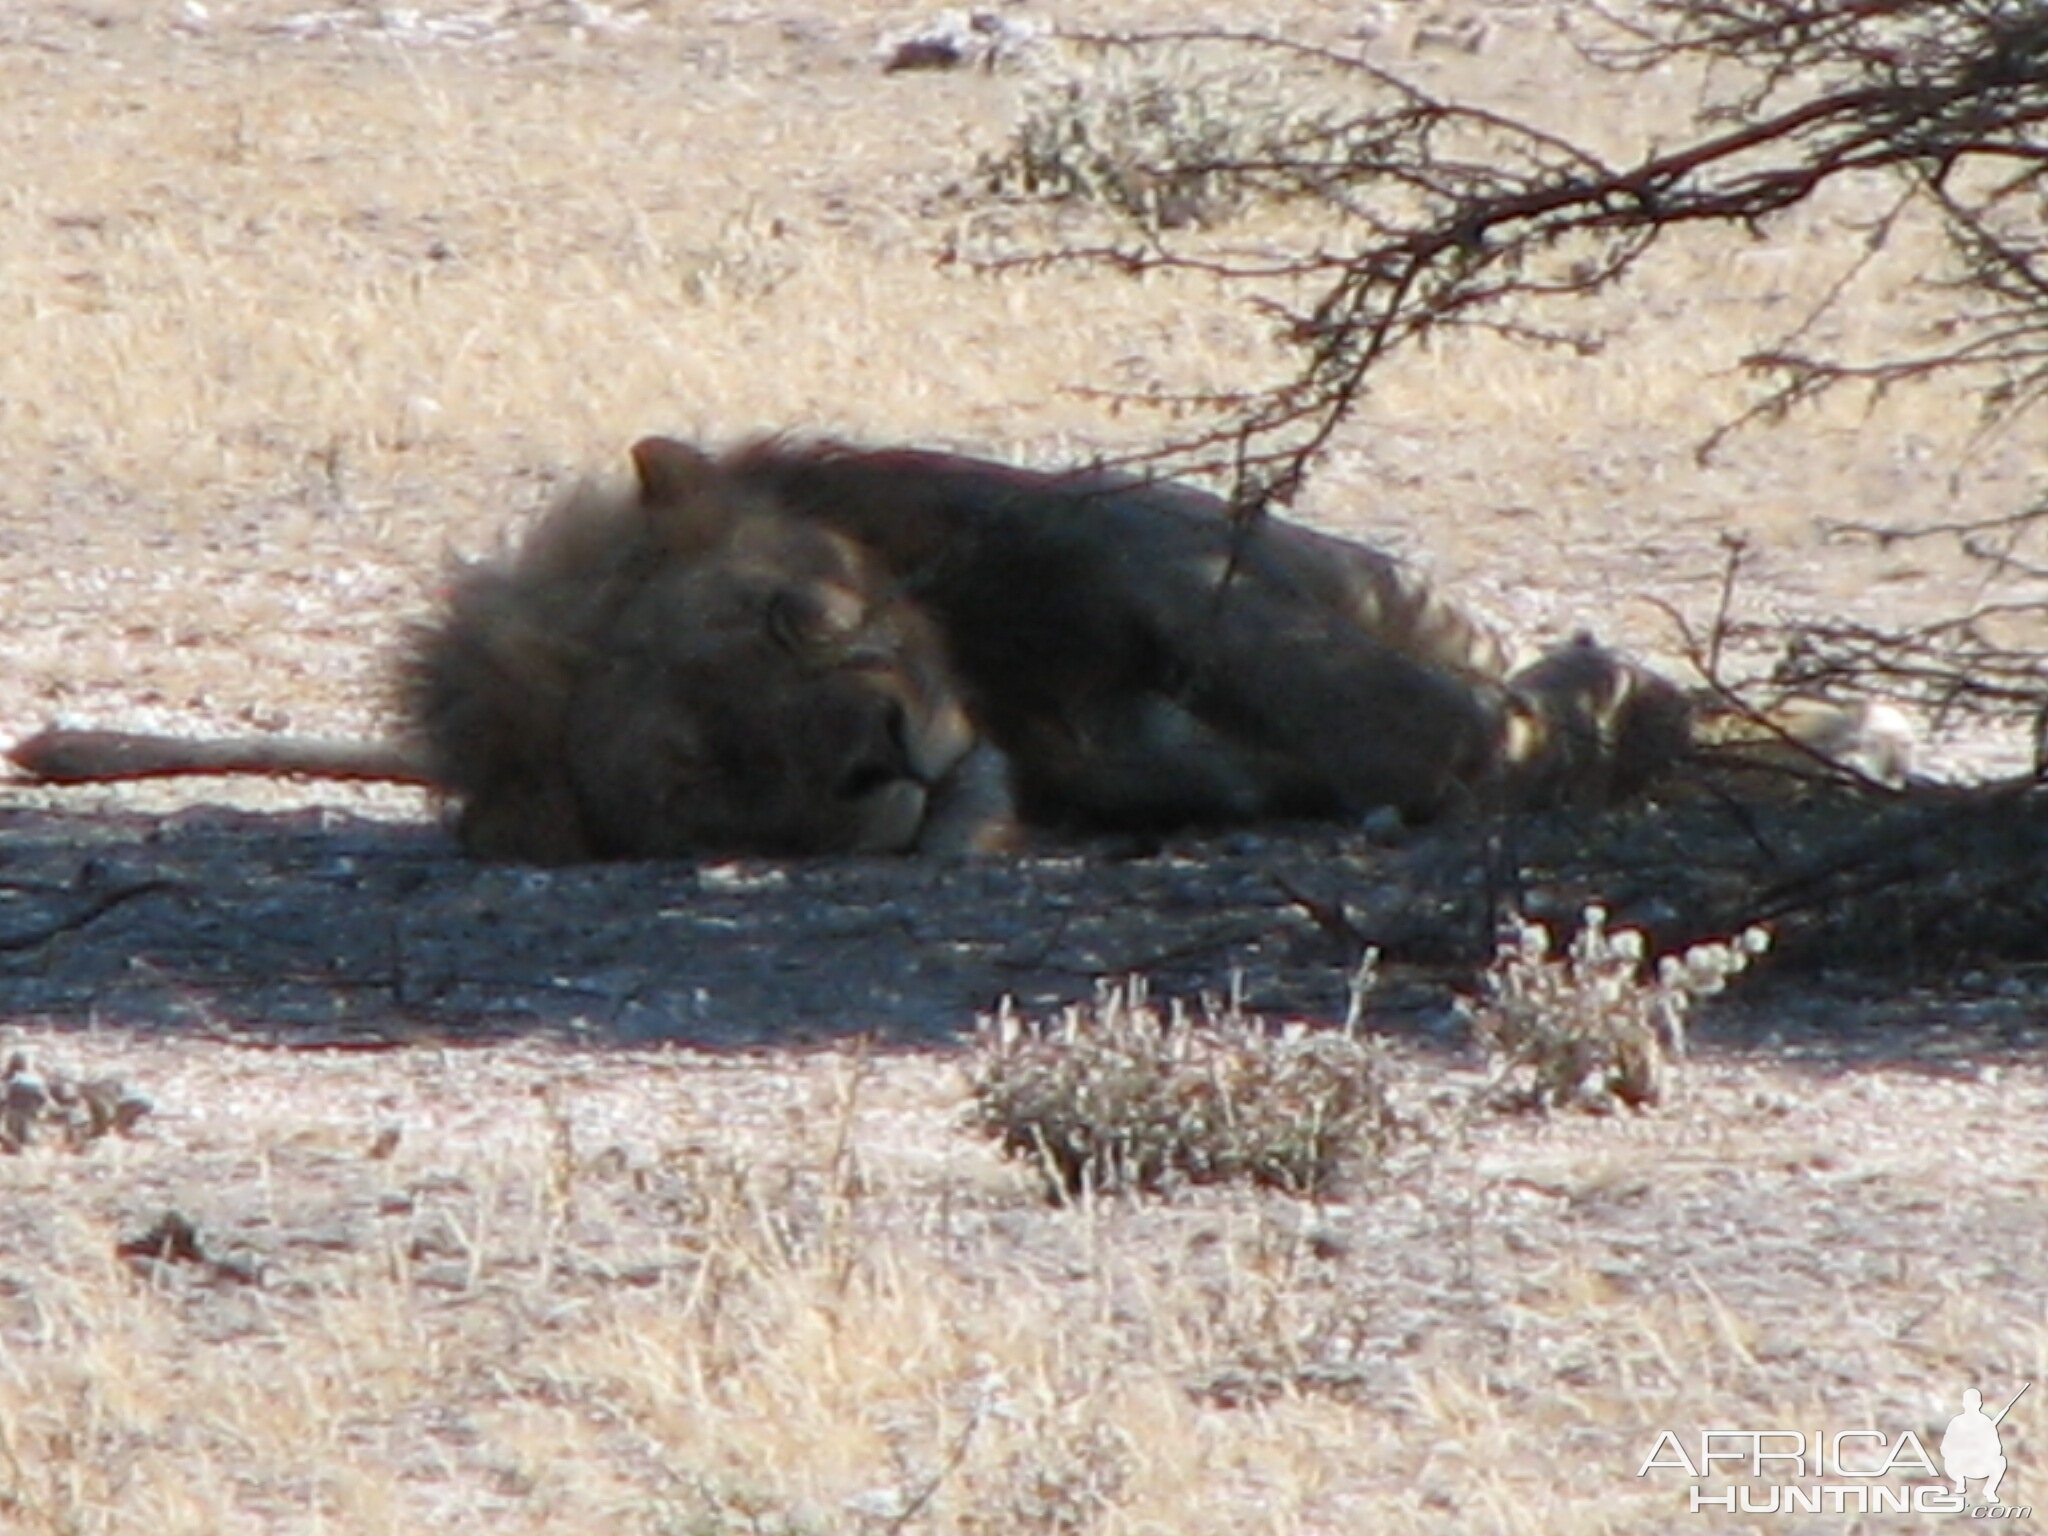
(532, 1289)
(301, 300)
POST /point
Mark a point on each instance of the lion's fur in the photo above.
(1589, 729)
(687, 669)
(802, 647)
(60, 755)
(1143, 658)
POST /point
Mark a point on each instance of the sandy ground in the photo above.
(304, 301)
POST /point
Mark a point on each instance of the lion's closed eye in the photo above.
(816, 620)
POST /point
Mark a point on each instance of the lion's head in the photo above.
(684, 669)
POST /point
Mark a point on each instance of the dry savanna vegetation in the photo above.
(302, 299)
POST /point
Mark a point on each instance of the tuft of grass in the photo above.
(1588, 1029)
(1127, 1095)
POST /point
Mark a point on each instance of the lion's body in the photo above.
(808, 648)
(1144, 660)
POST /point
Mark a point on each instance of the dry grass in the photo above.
(665, 1293)
(294, 309)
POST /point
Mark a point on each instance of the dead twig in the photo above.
(91, 911)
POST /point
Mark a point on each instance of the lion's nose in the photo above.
(882, 758)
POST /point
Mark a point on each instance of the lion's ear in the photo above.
(685, 499)
(672, 472)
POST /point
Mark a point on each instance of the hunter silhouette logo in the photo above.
(1970, 1445)
(1847, 1471)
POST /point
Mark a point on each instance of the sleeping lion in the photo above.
(802, 648)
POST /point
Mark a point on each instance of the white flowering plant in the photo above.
(1594, 1027)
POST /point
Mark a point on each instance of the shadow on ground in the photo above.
(307, 922)
(326, 929)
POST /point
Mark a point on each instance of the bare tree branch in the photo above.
(1454, 214)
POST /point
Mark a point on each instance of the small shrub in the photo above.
(63, 1110)
(1127, 1095)
(1587, 1028)
(1168, 148)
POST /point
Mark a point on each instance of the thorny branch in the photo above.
(1459, 213)
(1450, 215)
